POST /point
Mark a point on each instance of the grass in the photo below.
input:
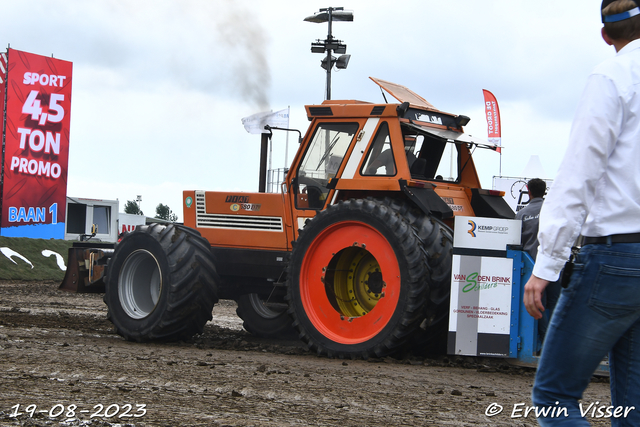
(44, 268)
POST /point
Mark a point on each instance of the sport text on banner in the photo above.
(38, 108)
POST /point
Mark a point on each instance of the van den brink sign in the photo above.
(36, 98)
(481, 286)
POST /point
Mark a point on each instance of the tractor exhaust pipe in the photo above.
(264, 151)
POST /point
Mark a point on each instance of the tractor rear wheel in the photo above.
(437, 240)
(264, 320)
(161, 284)
(357, 280)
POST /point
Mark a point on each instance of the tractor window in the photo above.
(413, 144)
(380, 159)
(437, 158)
(321, 162)
(448, 167)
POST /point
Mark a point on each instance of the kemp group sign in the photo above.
(36, 98)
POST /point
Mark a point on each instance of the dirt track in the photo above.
(58, 349)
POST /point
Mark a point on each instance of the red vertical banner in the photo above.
(494, 126)
(36, 155)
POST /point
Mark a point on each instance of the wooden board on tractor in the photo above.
(353, 256)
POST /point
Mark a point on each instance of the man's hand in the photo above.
(533, 296)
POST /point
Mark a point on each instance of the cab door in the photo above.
(323, 159)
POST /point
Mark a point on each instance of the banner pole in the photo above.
(3, 102)
(286, 145)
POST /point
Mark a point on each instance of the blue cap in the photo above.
(619, 16)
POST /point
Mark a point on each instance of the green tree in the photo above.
(132, 208)
(164, 212)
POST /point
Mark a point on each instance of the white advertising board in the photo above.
(481, 286)
(486, 233)
(480, 311)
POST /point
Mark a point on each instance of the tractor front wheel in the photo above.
(161, 284)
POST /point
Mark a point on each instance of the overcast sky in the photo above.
(160, 86)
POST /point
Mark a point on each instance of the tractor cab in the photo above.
(409, 150)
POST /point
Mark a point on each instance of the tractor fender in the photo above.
(427, 200)
(489, 205)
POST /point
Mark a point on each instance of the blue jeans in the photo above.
(597, 314)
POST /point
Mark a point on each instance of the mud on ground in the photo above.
(57, 349)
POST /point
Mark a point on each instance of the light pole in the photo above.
(330, 44)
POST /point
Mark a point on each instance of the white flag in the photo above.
(257, 122)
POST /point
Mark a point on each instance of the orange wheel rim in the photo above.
(350, 282)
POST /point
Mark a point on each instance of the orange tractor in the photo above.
(352, 256)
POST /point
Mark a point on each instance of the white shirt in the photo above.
(597, 190)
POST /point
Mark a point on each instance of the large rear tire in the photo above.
(161, 284)
(264, 320)
(357, 280)
(436, 239)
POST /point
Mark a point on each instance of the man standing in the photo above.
(597, 194)
(530, 214)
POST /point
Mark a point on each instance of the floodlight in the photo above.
(337, 14)
(318, 47)
(343, 61)
(324, 62)
(340, 48)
